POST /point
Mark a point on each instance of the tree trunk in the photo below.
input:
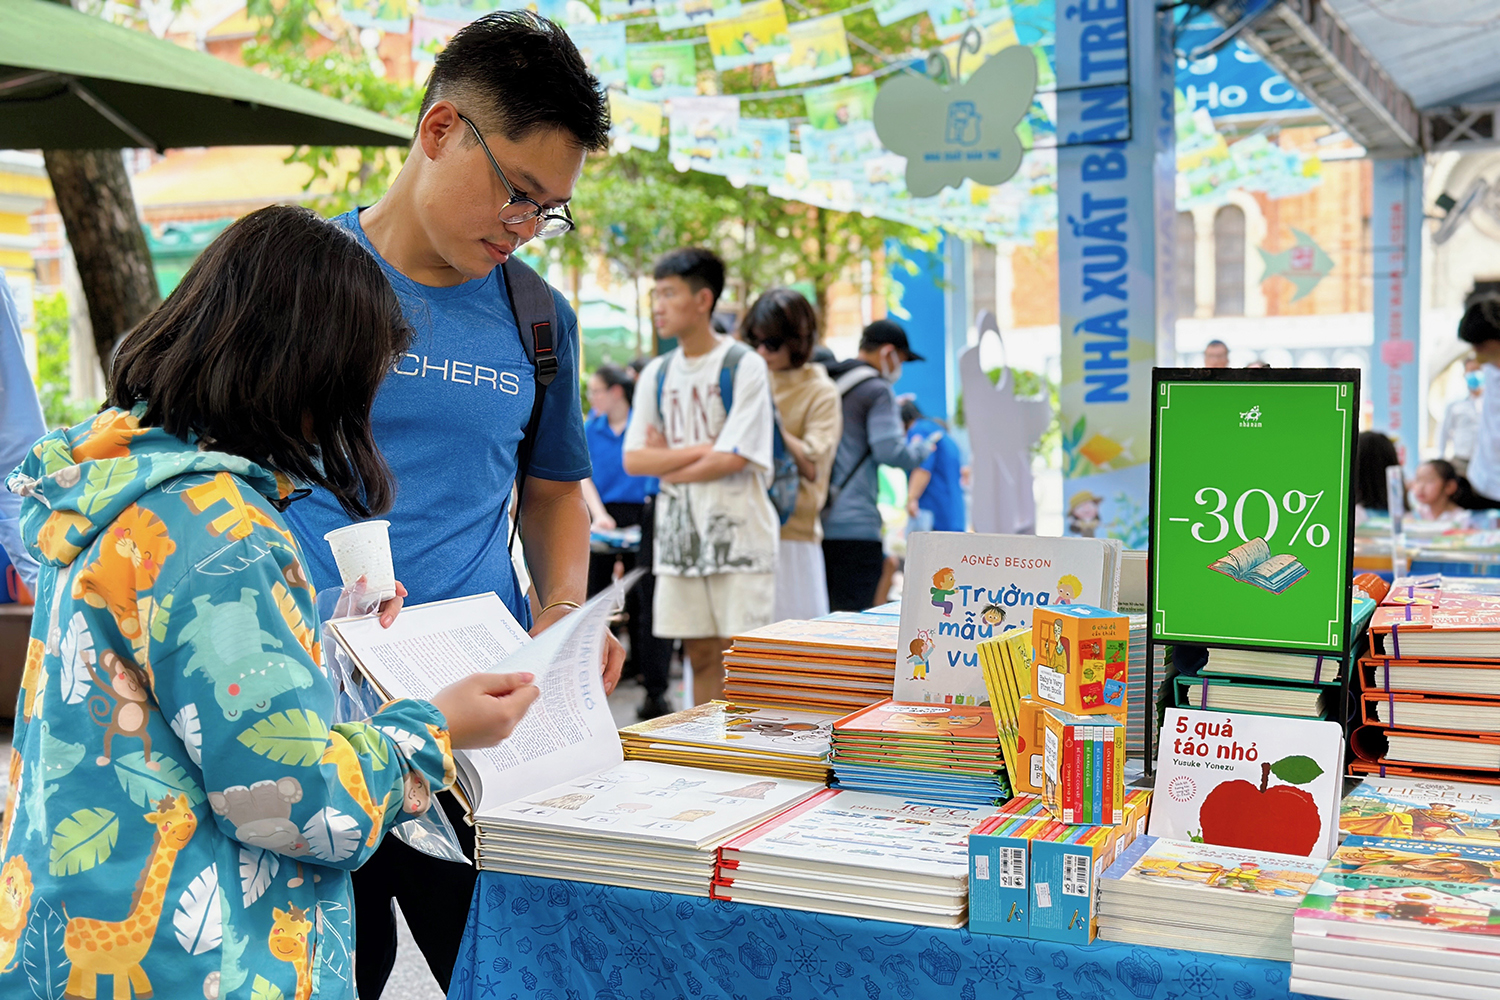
(99, 215)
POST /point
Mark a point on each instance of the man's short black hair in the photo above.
(698, 267)
(1216, 343)
(1481, 320)
(514, 73)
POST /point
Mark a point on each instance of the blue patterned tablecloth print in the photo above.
(540, 939)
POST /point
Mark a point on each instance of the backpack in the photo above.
(535, 312)
(785, 479)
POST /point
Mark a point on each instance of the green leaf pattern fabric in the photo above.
(171, 723)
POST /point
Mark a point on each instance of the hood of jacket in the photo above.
(838, 368)
(75, 482)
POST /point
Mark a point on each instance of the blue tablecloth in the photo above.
(539, 939)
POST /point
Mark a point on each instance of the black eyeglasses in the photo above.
(521, 208)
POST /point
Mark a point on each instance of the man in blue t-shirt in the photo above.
(935, 486)
(509, 115)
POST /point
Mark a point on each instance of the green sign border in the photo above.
(1161, 381)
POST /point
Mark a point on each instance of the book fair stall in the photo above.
(1052, 769)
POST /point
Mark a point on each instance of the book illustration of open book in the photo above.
(1253, 563)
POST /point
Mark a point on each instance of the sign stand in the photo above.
(1251, 514)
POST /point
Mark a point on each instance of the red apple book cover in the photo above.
(1257, 782)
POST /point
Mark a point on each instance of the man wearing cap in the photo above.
(873, 436)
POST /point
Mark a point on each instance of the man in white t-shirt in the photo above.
(716, 529)
(1460, 428)
(1480, 327)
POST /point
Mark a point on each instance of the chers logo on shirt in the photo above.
(462, 372)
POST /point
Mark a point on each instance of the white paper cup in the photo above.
(363, 549)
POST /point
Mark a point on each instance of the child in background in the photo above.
(1439, 493)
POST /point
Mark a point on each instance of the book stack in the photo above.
(1422, 809)
(1141, 707)
(812, 666)
(1083, 763)
(1291, 684)
(1006, 663)
(1429, 703)
(728, 737)
(1401, 919)
(879, 857)
(638, 824)
(935, 753)
(1223, 900)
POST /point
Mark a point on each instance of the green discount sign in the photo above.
(1251, 507)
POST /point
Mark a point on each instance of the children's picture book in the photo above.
(819, 49)
(1423, 810)
(1253, 563)
(1450, 898)
(1006, 662)
(720, 725)
(757, 35)
(1156, 868)
(920, 722)
(1257, 782)
(1081, 659)
(962, 588)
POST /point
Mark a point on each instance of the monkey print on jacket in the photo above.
(181, 816)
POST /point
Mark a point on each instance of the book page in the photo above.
(568, 732)
(1243, 558)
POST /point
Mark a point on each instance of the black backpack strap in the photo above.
(535, 311)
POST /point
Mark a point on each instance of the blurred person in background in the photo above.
(1216, 354)
(1439, 493)
(934, 491)
(783, 328)
(1374, 452)
(873, 436)
(617, 499)
(21, 424)
(1460, 427)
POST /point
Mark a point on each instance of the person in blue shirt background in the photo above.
(509, 115)
(935, 486)
(20, 426)
(617, 499)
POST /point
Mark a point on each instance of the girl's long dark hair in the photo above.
(1463, 495)
(1373, 452)
(273, 348)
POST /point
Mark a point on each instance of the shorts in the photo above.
(718, 606)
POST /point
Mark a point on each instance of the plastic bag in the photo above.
(355, 699)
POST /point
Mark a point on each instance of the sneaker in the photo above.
(654, 706)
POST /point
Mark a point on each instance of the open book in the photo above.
(566, 733)
(1253, 563)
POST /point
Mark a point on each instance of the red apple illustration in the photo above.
(1283, 819)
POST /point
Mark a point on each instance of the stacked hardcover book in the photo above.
(1430, 699)
(813, 666)
(728, 737)
(1401, 919)
(936, 753)
(638, 824)
(1224, 900)
(1291, 684)
(875, 856)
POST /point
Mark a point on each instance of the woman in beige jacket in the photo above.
(783, 329)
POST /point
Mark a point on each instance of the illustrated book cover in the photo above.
(962, 588)
(1257, 782)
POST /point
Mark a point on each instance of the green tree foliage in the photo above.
(53, 353)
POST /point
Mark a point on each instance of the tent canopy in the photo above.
(71, 81)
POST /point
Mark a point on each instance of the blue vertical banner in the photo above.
(1115, 179)
(916, 299)
(1395, 363)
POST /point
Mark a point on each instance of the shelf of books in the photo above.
(947, 796)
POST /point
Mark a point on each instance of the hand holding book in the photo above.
(483, 709)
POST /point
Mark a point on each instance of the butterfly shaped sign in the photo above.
(949, 133)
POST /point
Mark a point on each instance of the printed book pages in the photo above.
(1265, 699)
(1426, 677)
(728, 737)
(876, 856)
(1432, 712)
(962, 588)
(638, 824)
(934, 753)
(1254, 564)
(567, 732)
(1432, 910)
(1217, 899)
(820, 666)
(1257, 782)
(1457, 629)
(1296, 667)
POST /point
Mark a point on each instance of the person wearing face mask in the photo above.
(873, 436)
(1461, 421)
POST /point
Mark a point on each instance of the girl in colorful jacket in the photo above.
(181, 816)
